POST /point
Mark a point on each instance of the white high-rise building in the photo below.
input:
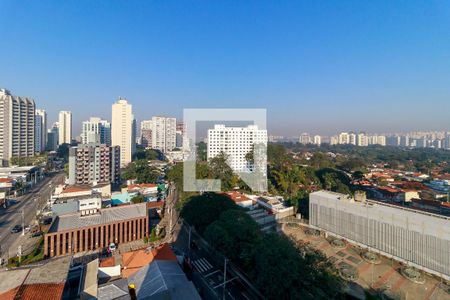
(123, 130)
(164, 133)
(17, 116)
(317, 140)
(377, 140)
(352, 138)
(65, 127)
(305, 138)
(344, 138)
(40, 133)
(236, 143)
(334, 140)
(362, 140)
(96, 130)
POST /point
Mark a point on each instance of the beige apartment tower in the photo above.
(17, 116)
(123, 130)
(65, 127)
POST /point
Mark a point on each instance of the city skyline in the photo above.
(341, 69)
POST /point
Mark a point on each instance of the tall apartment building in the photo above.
(317, 140)
(94, 163)
(236, 142)
(123, 130)
(40, 132)
(414, 237)
(334, 140)
(52, 137)
(305, 138)
(362, 140)
(65, 127)
(377, 140)
(344, 138)
(145, 137)
(17, 116)
(96, 130)
(164, 133)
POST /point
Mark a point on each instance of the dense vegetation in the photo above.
(140, 169)
(279, 268)
(410, 159)
(38, 159)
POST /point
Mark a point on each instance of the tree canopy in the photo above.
(279, 268)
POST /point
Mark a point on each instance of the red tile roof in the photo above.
(446, 204)
(134, 260)
(9, 295)
(389, 189)
(236, 196)
(47, 291)
(165, 253)
(75, 188)
(108, 262)
(155, 204)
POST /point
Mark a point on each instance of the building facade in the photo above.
(236, 143)
(164, 133)
(73, 233)
(317, 140)
(123, 130)
(94, 163)
(415, 237)
(65, 127)
(17, 117)
(145, 137)
(52, 138)
(40, 133)
(305, 138)
(96, 130)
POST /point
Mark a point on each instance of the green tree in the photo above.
(202, 210)
(201, 151)
(63, 151)
(219, 169)
(139, 198)
(242, 233)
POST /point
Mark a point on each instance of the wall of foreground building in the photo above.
(420, 239)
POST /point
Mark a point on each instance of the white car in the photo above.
(112, 247)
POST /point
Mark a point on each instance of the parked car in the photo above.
(46, 221)
(36, 234)
(16, 229)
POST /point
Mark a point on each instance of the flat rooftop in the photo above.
(105, 216)
(333, 196)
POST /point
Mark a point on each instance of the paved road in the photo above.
(33, 200)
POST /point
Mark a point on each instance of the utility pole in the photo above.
(23, 223)
(224, 277)
(189, 241)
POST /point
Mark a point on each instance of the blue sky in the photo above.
(317, 66)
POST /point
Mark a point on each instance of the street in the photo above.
(29, 204)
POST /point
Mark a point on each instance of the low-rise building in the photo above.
(85, 205)
(418, 238)
(240, 199)
(74, 232)
(44, 281)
